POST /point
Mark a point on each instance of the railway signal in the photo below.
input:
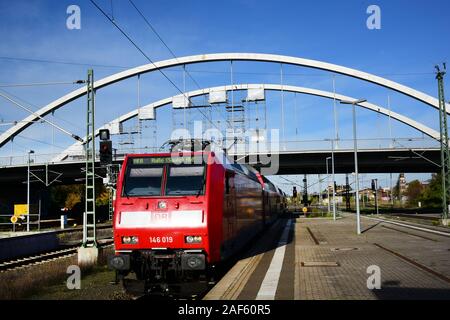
(375, 188)
(305, 192)
(105, 152)
(105, 147)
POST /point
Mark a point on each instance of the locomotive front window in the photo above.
(185, 180)
(143, 181)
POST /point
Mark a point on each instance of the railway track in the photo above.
(44, 257)
(414, 216)
(57, 230)
(443, 231)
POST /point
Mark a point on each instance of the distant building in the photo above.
(402, 183)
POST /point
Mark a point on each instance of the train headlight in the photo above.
(193, 262)
(162, 205)
(193, 239)
(130, 240)
(119, 262)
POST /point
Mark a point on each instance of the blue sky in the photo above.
(412, 39)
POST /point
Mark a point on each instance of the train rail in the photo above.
(442, 231)
(56, 229)
(418, 216)
(45, 257)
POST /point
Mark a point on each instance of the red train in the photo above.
(177, 216)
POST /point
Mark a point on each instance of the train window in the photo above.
(143, 181)
(185, 180)
(228, 175)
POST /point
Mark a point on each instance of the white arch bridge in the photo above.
(410, 159)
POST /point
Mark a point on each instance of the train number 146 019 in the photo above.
(161, 239)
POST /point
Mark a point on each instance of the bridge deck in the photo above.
(306, 162)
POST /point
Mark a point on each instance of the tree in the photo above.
(72, 200)
(103, 198)
(73, 197)
(414, 192)
(432, 195)
(396, 190)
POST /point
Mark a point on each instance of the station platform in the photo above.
(317, 258)
(14, 245)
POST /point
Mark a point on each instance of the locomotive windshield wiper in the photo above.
(201, 188)
(126, 193)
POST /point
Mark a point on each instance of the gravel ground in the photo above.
(95, 285)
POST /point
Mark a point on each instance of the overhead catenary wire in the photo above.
(34, 106)
(4, 123)
(112, 9)
(135, 45)
(35, 140)
(41, 141)
(151, 27)
(35, 84)
(142, 52)
(63, 62)
(40, 117)
(24, 59)
(185, 72)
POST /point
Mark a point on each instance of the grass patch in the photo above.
(33, 280)
(19, 283)
(319, 215)
(95, 285)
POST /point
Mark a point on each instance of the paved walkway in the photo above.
(325, 259)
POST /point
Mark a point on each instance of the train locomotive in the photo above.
(179, 215)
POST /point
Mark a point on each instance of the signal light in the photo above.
(162, 205)
(104, 134)
(105, 152)
(130, 240)
(193, 239)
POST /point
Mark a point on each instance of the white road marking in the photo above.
(269, 285)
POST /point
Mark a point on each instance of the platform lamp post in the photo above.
(28, 190)
(333, 178)
(355, 150)
(328, 188)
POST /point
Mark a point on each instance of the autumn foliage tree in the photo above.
(432, 194)
(414, 192)
(72, 197)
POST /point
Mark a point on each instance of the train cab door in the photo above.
(230, 204)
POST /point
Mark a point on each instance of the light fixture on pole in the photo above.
(355, 149)
(333, 178)
(328, 188)
(28, 190)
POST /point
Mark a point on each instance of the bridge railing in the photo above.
(239, 148)
(43, 158)
(363, 144)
